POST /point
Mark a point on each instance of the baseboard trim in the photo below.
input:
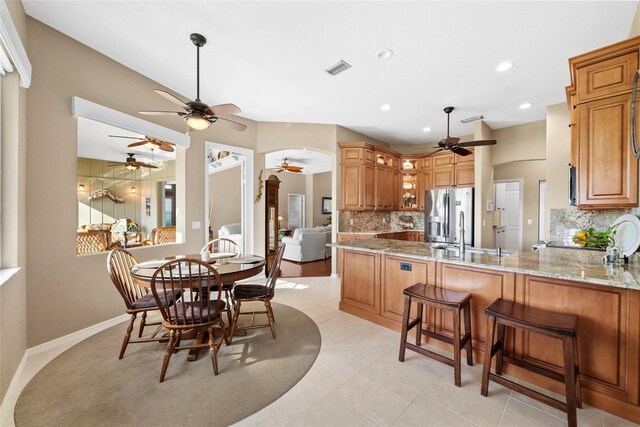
(13, 387)
(11, 395)
(74, 336)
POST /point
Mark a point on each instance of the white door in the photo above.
(296, 211)
(512, 217)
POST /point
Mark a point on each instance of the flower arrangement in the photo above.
(590, 238)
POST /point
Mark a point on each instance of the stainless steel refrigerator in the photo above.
(442, 215)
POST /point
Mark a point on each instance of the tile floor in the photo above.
(358, 381)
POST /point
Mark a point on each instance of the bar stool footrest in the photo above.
(428, 353)
(534, 368)
(554, 403)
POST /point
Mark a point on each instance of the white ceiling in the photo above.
(311, 161)
(94, 142)
(269, 57)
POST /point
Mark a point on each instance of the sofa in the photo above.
(232, 232)
(308, 244)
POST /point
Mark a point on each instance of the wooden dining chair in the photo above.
(222, 246)
(248, 292)
(91, 241)
(137, 299)
(192, 312)
(162, 235)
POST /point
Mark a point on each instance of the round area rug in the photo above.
(88, 385)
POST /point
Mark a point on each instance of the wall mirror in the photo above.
(127, 183)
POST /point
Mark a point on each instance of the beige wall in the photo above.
(531, 172)
(13, 292)
(67, 293)
(558, 158)
(483, 220)
(521, 142)
(321, 188)
(635, 25)
(225, 189)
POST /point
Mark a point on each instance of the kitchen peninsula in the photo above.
(374, 273)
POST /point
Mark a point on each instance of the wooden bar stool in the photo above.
(446, 300)
(562, 326)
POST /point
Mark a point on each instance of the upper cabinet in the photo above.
(600, 102)
(377, 178)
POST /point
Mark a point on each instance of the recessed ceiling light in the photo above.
(385, 54)
(525, 105)
(385, 107)
(505, 66)
(427, 129)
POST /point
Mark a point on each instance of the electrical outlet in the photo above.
(484, 223)
(350, 221)
(195, 225)
(384, 220)
(405, 266)
(529, 222)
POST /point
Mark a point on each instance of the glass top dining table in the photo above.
(230, 268)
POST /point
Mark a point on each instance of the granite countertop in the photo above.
(557, 263)
(398, 230)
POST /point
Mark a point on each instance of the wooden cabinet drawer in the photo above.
(607, 78)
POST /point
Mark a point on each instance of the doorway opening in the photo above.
(229, 195)
(508, 217)
(305, 210)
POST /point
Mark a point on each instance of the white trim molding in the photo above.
(11, 40)
(90, 110)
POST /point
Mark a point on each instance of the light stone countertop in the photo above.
(566, 264)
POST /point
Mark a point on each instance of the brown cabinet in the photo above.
(451, 170)
(600, 102)
(377, 178)
(607, 170)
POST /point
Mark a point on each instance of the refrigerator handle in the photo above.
(446, 215)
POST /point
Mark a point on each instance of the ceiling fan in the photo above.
(132, 164)
(197, 114)
(284, 166)
(452, 143)
(150, 141)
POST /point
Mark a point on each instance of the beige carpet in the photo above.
(88, 386)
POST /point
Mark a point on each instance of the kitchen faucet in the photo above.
(461, 233)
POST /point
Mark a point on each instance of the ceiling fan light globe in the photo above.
(131, 167)
(198, 122)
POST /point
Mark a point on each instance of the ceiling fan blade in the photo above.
(478, 143)
(115, 164)
(137, 144)
(223, 109)
(161, 113)
(165, 146)
(171, 98)
(295, 169)
(460, 151)
(231, 124)
(143, 165)
(450, 140)
(279, 170)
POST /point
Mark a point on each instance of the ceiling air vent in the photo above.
(338, 68)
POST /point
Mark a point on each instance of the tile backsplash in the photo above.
(565, 223)
(378, 221)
